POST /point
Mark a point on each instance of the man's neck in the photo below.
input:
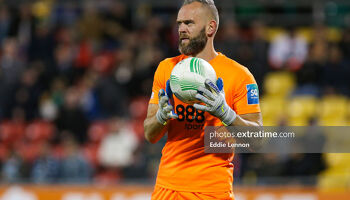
(208, 53)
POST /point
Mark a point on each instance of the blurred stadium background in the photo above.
(76, 76)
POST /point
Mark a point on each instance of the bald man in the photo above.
(185, 170)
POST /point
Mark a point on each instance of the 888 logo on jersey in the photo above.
(192, 116)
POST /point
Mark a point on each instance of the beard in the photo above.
(195, 44)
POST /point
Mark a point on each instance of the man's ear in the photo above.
(212, 28)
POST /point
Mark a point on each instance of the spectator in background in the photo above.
(123, 70)
(117, 21)
(149, 53)
(345, 45)
(90, 24)
(47, 108)
(41, 48)
(88, 99)
(229, 41)
(288, 51)
(46, 167)
(308, 77)
(22, 27)
(118, 147)
(112, 96)
(28, 93)
(65, 13)
(259, 47)
(64, 53)
(11, 68)
(57, 90)
(12, 168)
(74, 166)
(11, 64)
(71, 116)
(335, 75)
(5, 22)
(139, 166)
(304, 168)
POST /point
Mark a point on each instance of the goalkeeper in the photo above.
(185, 171)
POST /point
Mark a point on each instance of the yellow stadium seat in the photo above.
(272, 33)
(306, 32)
(337, 175)
(272, 109)
(42, 9)
(334, 34)
(298, 121)
(268, 121)
(334, 178)
(332, 111)
(250, 178)
(332, 122)
(338, 160)
(348, 111)
(300, 110)
(279, 84)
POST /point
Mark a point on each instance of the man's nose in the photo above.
(182, 28)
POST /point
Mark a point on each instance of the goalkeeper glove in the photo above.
(213, 96)
(165, 103)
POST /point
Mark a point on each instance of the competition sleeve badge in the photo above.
(252, 94)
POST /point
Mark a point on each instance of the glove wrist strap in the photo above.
(229, 117)
(160, 118)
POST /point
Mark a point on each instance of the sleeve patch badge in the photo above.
(252, 94)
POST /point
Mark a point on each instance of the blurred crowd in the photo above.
(75, 79)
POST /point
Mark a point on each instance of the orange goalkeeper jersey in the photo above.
(184, 166)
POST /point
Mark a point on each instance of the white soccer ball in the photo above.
(187, 75)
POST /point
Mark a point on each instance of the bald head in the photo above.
(210, 6)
